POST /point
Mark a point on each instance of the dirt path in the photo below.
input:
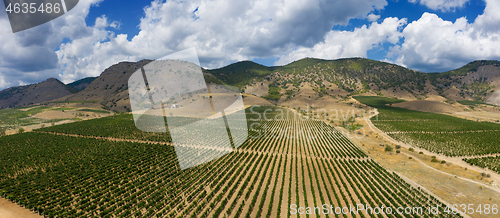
(454, 160)
(496, 189)
(427, 132)
(416, 185)
(9, 209)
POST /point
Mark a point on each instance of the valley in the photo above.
(355, 132)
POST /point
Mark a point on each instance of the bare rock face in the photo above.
(35, 93)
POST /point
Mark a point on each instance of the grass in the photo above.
(65, 102)
(63, 109)
(473, 103)
(14, 117)
(95, 111)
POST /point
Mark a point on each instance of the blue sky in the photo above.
(129, 15)
(424, 35)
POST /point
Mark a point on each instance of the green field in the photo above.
(63, 108)
(438, 133)
(67, 102)
(474, 103)
(492, 163)
(308, 164)
(117, 126)
(95, 111)
(14, 118)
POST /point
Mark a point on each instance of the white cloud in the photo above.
(372, 17)
(29, 56)
(221, 31)
(356, 43)
(443, 5)
(432, 43)
(226, 31)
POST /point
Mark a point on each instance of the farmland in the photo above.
(119, 126)
(442, 134)
(284, 161)
(15, 117)
(492, 163)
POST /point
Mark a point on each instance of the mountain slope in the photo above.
(337, 78)
(110, 87)
(478, 80)
(35, 93)
(301, 81)
(241, 73)
(82, 83)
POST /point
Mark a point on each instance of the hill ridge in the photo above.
(478, 80)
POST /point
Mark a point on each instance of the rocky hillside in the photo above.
(82, 83)
(476, 81)
(47, 90)
(110, 88)
(305, 79)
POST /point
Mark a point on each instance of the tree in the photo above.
(21, 130)
(2, 131)
(388, 148)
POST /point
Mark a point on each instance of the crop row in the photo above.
(117, 126)
(68, 176)
(453, 144)
(492, 163)
(438, 133)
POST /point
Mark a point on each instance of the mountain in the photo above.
(477, 81)
(110, 88)
(336, 78)
(82, 83)
(300, 81)
(47, 90)
(241, 73)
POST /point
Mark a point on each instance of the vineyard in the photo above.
(492, 163)
(437, 133)
(284, 161)
(118, 126)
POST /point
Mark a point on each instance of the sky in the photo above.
(423, 35)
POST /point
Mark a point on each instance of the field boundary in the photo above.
(239, 150)
(454, 160)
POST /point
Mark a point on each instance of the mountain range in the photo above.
(306, 78)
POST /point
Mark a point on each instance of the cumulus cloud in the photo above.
(221, 31)
(29, 56)
(343, 44)
(226, 31)
(433, 44)
(442, 5)
(373, 17)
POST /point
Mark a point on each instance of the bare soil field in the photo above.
(9, 209)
